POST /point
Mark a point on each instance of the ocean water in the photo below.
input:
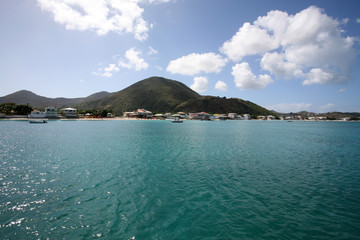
(195, 180)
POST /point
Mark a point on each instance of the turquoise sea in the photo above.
(195, 180)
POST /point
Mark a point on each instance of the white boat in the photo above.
(37, 121)
(176, 120)
(37, 114)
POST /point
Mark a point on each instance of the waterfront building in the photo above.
(182, 115)
(199, 116)
(233, 116)
(51, 112)
(140, 113)
(168, 115)
(69, 112)
(159, 116)
(247, 116)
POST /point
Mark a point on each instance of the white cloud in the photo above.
(342, 90)
(196, 63)
(220, 85)
(308, 45)
(277, 65)
(200, 84)
(107, 71)
(249, 40)
(317, 75)
(101, 16)
(307, 26)
(156, 1)
(152, 51)
(358, 20)
(327, 108)
(133, 61)
(244, 78)
(290, 107)
(345, 21)
(298, 107)
(111, 68)
(275, 22)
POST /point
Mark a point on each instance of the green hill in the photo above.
(155, 94)
(36, 101)
(222, 105)
(161, 95)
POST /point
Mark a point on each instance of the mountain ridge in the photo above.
(37, 101)
(156, 94)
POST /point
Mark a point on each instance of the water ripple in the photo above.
(197, 180)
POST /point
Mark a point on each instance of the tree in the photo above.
(23, 109)
(7, 108)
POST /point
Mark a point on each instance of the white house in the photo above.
(51, 112)
(69, 112)
(247, 117)
(233, 116)
(140, 113)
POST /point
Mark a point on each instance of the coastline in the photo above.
(152, 119)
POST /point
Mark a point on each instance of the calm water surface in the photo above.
(195, 180)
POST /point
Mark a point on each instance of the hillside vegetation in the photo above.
(30, 98)
(222, 105)
(157, 94)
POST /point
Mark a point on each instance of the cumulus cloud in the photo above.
(290, 107)
(107, 71)
(317, 75)
(133, 61)
(308, 45)
(196, 63)
(200, 84)
(275, 23)
(111, 68)
(101, 16)
(220, 85)
(249, 40)
(244, 77)
(276, 64)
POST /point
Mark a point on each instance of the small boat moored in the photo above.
(176, 120)
(37, 121)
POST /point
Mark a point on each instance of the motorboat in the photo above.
(176, 120)
(37, 121)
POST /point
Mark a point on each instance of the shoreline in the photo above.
(142, 119)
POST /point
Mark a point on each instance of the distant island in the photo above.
(158, 95)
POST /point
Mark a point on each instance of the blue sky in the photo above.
(283, 55)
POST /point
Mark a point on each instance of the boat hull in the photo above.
(37, 121)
